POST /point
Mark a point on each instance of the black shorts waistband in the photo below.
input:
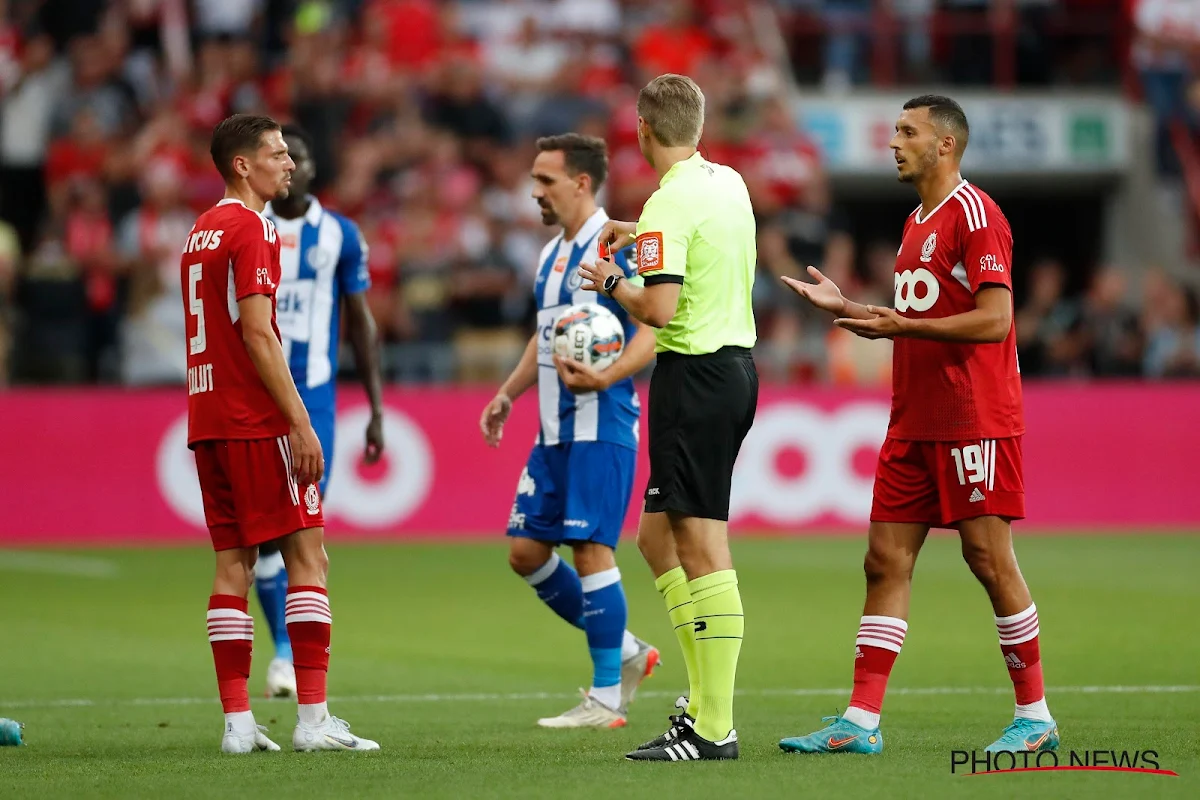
(727, 352)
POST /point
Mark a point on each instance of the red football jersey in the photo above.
(231, 253)
(947, 391)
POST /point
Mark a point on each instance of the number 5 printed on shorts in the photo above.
(976, 463)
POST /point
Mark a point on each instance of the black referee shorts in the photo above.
(701, 408)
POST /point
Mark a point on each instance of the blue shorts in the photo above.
(574, 492)
(323, 422)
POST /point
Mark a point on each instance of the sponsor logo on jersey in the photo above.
(908, 297)
(989, 263)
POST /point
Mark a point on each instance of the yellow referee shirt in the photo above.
(697, 229)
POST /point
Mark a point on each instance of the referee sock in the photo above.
(557, 585)
(231, 636)
(717, 604)
(270, 584)
(673, 586)
(604, 613)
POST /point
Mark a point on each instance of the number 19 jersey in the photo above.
(231, 253)
(954, 391)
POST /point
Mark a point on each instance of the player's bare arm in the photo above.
(825, 295)
(524, 377)
(617, 235)
(267, 355)
(360, 324)
(988, 323)
(651, 305)
(580, 378)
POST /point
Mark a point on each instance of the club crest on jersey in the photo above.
(319, 258)
(574, 279)
(928, 247)
(312, 499)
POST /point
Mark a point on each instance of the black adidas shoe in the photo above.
(680, 722)
(690, 747)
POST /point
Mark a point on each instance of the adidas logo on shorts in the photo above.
(976, 496)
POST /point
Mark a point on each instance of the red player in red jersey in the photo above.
(952, 457)
(257, 456)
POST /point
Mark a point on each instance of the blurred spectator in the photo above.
(1110, 328)
(96, 87)
(1173, 349)
(10, 255)
(1049, 340)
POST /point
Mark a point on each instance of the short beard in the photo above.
(548, 216)
(928, 161)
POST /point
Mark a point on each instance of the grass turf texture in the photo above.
(124, 630)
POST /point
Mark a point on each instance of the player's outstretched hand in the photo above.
(617, 235)
(495, 414)
(886, 324)
(593, 275)
(823, 294)
(374, 445)
(308, 462)
(579, 378)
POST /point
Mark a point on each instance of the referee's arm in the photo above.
(652, 304)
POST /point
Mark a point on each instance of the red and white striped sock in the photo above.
(231, 635)
(1022, 655)
(309, 621)
(875, 649)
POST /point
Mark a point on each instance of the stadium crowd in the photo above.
(423, 116)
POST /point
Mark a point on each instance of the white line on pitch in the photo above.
(483, 697)
(54, 564)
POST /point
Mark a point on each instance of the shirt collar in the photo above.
(591, 227)
(679, 167)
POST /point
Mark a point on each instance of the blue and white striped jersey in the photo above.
(608, 416)
(323, 256)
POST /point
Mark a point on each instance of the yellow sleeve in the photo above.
(663, 235)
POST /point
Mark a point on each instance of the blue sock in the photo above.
(270, 581)
(557, 585)
(604, 620)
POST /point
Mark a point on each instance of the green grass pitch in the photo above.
(447, 659)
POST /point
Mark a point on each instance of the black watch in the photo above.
(610, 283)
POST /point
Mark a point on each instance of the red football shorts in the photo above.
(942, 483)
(250, 496)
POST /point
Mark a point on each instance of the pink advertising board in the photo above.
(111, 466)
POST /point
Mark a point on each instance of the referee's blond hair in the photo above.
(673, 107)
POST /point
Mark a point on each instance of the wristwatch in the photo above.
(610, 283)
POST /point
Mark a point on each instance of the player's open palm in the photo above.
(823, 294)
(308, 462)
(495, 414)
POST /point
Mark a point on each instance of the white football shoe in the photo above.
(332, 734)
(281, 678)
(635, 669)
(590, 713)
(248, 740)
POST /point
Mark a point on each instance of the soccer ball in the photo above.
(590, 334)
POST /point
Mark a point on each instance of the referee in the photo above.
(695, 246)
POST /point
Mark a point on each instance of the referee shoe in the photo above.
(689, 746)
(679, 723)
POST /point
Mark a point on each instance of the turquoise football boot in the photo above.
(839, 736)
(1026, 736)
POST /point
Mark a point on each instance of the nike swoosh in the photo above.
(836, 743)
(347, 743)
(1034, 745)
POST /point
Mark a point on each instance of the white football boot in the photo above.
(590, 713)
(332, 734)
(281, 678)
(246, 739)
(635, 669)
